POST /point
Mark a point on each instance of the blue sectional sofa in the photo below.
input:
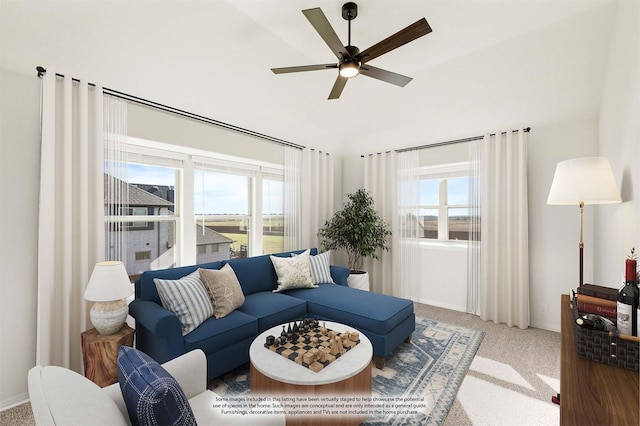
(386, 320)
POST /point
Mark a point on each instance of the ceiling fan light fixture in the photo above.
(349, 69)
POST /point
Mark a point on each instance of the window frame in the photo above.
(443, 173)
(185, 160)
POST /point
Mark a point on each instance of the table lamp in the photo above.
(583, 181)
(108, 286)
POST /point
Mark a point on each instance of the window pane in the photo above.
(458, 191)
(429, 192)
(223, 200)
(272, 216)
(143, 190)
(142, 248)
(219, 193)
(459, 222)
(429, 223)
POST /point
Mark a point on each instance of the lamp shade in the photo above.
(586, 180)
(109, 281)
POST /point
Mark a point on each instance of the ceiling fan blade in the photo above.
(384, 75)
(337, 87)
(402, 37)
(319, 21)
(303, 68)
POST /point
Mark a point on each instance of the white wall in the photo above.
(618, 225)
(19, 189)
(553, 230)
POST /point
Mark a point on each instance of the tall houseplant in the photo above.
(357, 228)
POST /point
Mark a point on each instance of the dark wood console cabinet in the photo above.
(592, 393)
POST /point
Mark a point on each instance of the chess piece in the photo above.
(335, 350)
(289, 330)
(354, 336)
(270, 340)
(276, 342)
(314, 340)
(284, 332)
(296, 328)
(307, 339)
(308, 357)
(323, 329)
(340, 346)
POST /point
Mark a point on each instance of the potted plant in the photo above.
(360, 231)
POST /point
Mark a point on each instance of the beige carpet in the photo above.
(510, 381)
(512, 378)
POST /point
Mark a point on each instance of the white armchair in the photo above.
(64, 397)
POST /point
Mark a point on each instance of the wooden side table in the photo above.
(100, 354)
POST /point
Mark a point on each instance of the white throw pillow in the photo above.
(187, 298)
(293, 272)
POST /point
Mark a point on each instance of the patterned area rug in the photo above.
(430, 368)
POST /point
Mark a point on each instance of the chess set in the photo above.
(310, 344)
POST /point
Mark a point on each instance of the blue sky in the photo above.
(215, 193)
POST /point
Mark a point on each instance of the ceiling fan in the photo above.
(351, 61)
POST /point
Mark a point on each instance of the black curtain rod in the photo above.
(452, 142)
(176, 111)
(455, 141)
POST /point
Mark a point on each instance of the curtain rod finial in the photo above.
(41, 71)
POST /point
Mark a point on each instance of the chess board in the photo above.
(296, 351)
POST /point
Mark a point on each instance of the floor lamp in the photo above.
(583, 181)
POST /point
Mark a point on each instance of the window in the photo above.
(273, 215)
(143, 255)
(140, 214)
(187, 206)
(443, 211)
(222, 207)
(136, 211)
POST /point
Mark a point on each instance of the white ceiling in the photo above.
(487, 64)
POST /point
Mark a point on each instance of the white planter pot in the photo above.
(359, 281)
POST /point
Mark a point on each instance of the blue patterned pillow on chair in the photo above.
(151, 394)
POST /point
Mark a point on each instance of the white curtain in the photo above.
(292, 198)
(71, 216)
(503, 287)
(380, 171)
(408, 231)
(308, 195)
(116, 185)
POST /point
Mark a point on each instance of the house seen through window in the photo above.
(237, 212)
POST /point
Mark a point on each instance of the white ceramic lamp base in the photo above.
(109, 317)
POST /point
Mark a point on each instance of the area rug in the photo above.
(429, 370)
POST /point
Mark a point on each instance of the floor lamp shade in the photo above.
(586, 180)
(108, 286)
(583, 181)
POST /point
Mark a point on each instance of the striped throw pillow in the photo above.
(320, 268)
(187, 298)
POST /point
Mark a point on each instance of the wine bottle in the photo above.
(595, 322)
(628, 298)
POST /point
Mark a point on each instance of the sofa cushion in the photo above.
(293, 272)
(223, 288)
(151, 394)
(187, 298)
(357, 308)
(272, 309)
(215, 334)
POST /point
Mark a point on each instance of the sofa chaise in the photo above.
(386, 320)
